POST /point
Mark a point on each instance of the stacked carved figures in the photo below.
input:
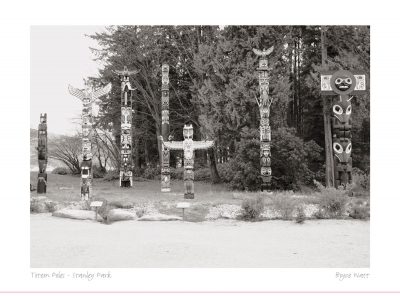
(87, 97)
(188, 146)
(125, 174)
(342, 83)
(165, 170)
(42, 154)
(264, 104)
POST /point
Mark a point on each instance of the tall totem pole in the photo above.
(42, 154)
(342, 83)
(165, 170)
(87, 96)
(188, 146)
(264, 104)
(125, 173)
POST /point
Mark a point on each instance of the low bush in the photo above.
(332, 201)
(360, 180)
(360, 212)
(359, 209)
(285, 205)
(60, 171)
(252, 208)
(98, 172)
(151, 172)
(105, 208)
(300, 214)
(202, 174)
(177, 173)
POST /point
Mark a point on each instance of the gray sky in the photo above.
(60, 56)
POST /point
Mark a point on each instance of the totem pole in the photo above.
(165, 171)
(264, 103)
(87, 96)
(125, 173)
(188, 146)
(343, 83)
(42, 154)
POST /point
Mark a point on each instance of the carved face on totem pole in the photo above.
(342, 110)
(85, 171)
(342, 149)
(165, 157)
(165, 116)
(85, 131)
(188, 132)
(343, 82)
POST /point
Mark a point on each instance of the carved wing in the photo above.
(202, 144)
(102, 91)
(257, 51)
(269, 50)
(173, 145)
(76, 92)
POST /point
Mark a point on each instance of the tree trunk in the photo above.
(329, 173)
(215, 178)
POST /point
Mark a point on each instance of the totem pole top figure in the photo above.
(263, 66)
(124, 74)
(343, 83)
(88, 95)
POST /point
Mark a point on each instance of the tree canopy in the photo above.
(214, 83)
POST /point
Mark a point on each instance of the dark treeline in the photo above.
(214, 84)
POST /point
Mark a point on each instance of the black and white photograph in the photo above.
(199, 147)
(223, 146)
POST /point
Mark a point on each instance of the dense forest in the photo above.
(214, 85)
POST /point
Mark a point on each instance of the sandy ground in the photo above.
(57, 242)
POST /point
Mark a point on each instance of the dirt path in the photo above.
(57, 242)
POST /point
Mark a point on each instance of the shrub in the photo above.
(98, 172)
(359, 212)
(332, 201)
(285, 205)
(252, 208)
(225, 171)
(360, 180)
(202, 174)
(151, 172)
(60, 171)
(105, 208)
(245, 166)
(300, 215)
(177, 173)
(294, 161)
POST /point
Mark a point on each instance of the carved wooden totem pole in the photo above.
(87, 96)
(343, 83)
(165, 170)
(42, 154)
(125, 173)
(264, 103)
(188, 146)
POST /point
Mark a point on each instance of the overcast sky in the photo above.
(60, 55)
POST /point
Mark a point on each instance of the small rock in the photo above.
(77, 214)
(159, 217)
(120, 215)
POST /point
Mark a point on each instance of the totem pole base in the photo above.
(41, 186)
(125, 184)
(188, 196)
(42, 183)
